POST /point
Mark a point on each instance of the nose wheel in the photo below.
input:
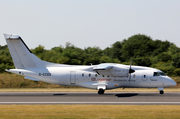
(161, 92)
(101, 91)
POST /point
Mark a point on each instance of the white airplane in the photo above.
(100, 77)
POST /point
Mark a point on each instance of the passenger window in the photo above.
(83, 75)
(89, 75)
(144, 76)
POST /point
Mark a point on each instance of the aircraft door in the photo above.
(72, 77)
(144, 76)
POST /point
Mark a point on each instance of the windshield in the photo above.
(162, 74)
(159, 74)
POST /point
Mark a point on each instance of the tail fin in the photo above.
(20, 53)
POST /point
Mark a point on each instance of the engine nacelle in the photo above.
(116, 71)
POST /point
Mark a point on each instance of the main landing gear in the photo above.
(101, 91)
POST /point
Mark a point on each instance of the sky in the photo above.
(88, 23)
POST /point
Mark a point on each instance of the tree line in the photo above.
(145, 51)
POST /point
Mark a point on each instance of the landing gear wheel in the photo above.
(161, 92)
(101, 91)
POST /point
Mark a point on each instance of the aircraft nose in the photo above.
(170, 82)
(173, 83)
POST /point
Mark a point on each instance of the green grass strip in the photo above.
(90, 111)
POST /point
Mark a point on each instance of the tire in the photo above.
(161, 92)
(101, 91)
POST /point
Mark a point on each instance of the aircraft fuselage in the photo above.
(83, 76)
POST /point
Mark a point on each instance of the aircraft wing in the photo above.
(111, 69)
(102, 67)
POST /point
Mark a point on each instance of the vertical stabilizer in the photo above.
(20, 53)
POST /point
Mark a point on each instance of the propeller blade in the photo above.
(129, 77)
(131, 63)
(130, 71)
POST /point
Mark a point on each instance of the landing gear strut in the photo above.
(161, 92)
(101, 91)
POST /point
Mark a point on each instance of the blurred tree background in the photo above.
(143, 49)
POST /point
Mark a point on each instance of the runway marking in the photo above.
(89, 102)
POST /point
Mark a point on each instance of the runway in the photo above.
(109, 98)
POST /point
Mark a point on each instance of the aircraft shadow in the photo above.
(127, 95)
(36, 95)
(59, 94)
(82, 94)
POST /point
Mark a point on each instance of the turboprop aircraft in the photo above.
(100, 77)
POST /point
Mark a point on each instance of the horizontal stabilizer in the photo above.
(30, 78)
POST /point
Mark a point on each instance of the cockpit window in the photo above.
(156, 74)
(159, 74)
(162, 74)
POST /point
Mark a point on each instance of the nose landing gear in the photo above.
(161, 90)
(101, 91)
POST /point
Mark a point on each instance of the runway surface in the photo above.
(112, 98)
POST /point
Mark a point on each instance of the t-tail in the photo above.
(22, 56)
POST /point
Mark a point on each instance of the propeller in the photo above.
(130, 71)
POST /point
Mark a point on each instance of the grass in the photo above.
(90, 111)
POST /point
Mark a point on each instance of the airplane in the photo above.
(100, 77)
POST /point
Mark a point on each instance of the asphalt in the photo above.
(109, 98)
